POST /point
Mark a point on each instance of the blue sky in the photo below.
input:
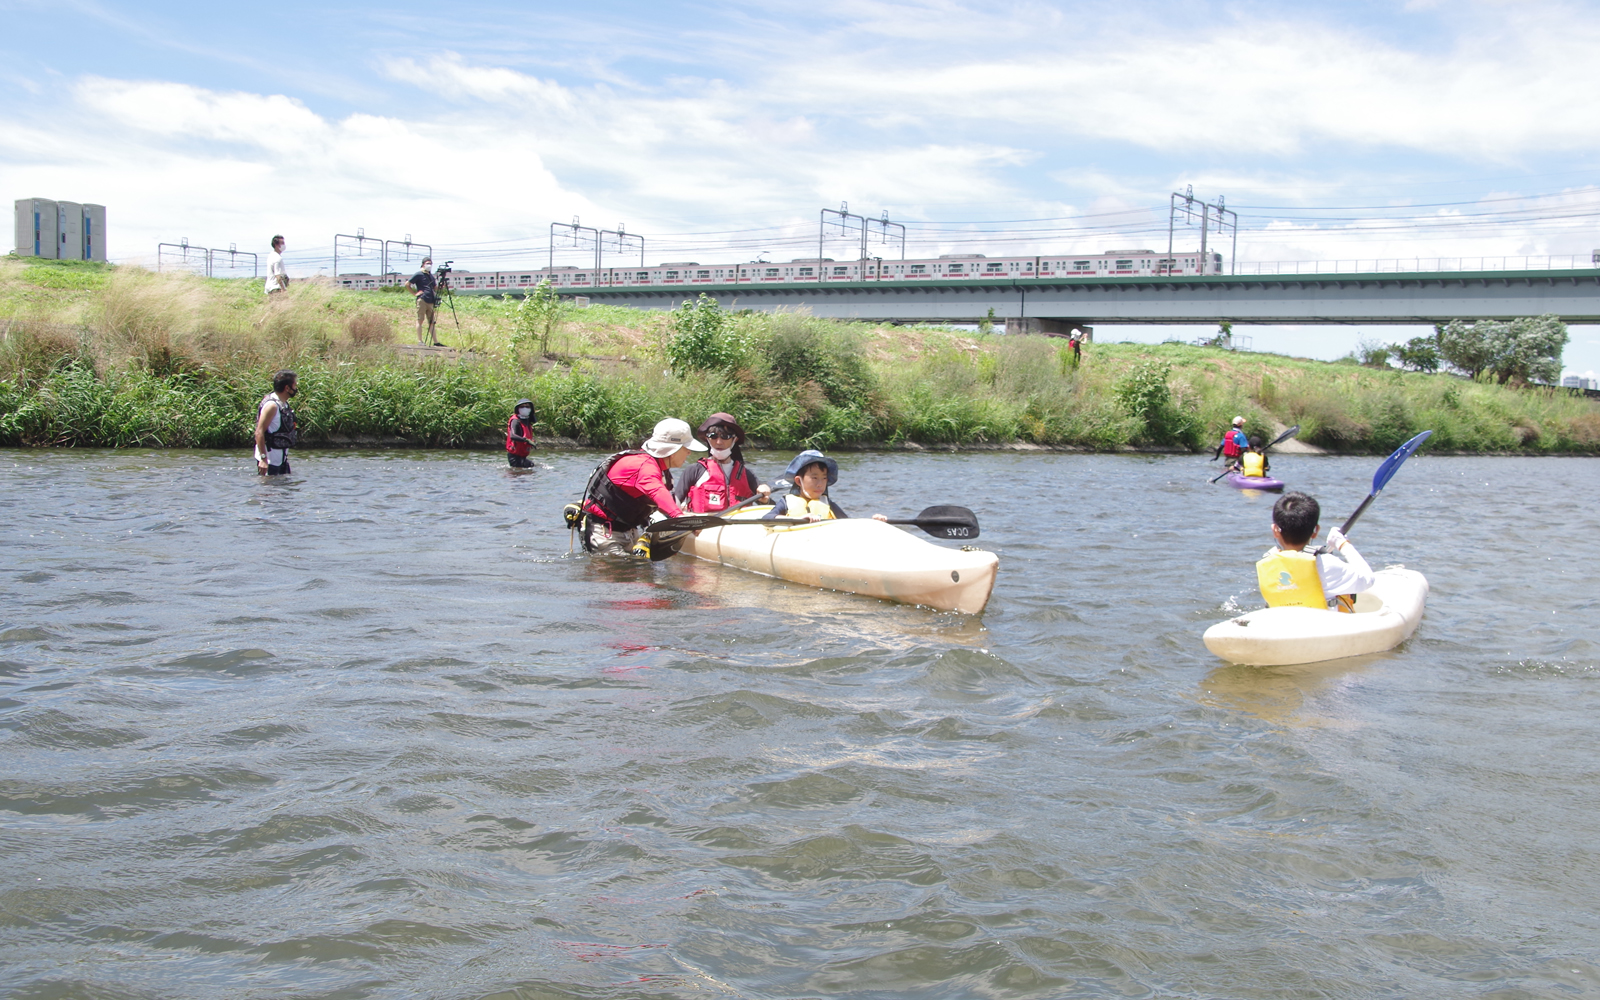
(1338, 131)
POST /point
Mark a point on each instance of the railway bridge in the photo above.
(1058, 305)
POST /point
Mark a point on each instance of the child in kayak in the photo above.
(1290, 576)
(810, 475)
(1254, 462)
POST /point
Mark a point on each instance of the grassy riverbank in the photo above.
(93, 355)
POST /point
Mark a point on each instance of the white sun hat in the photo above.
(1237, 421)
(670, 435)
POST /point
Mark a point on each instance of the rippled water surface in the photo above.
(371, 732)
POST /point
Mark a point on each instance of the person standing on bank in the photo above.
(519, 435)
(275, 428)
(627, 491)
(277, 277)
(424, 287)
(721, 479)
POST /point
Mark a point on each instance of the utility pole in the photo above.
(845, 215)
(576, 229)
(622, 235)
(1192, 207)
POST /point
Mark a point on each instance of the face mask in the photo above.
(721, 454)
(524, 414)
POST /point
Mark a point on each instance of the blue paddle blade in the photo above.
(1392, 464)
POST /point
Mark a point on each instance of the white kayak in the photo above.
(1385, 616)
(858, 555)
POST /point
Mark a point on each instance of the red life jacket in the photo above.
(1231, 443)
(515, 447)
(711, 494)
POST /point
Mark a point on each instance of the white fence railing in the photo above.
(1404, 265)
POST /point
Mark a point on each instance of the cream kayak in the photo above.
(1385, 616)
(858, 555)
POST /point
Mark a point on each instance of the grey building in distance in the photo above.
(60, 230)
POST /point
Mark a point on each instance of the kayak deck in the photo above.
(858, 555)
(1385, 616)
(1240, 481)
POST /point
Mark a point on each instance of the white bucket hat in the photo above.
(1237, 421)
(670, 435)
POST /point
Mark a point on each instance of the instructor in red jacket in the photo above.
(631, 486)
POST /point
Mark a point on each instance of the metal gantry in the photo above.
(1208, 214)
(361, 239)
(203, 260)
(863, 225)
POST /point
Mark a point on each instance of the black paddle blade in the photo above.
(945, 522)
(688, 522)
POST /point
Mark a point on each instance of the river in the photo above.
(370, 731)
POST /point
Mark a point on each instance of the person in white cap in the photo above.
(1234, 443)
(629, 489)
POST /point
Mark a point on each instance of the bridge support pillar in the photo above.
(1049, 327)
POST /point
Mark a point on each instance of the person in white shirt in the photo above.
(277, 277)
(1291, 576)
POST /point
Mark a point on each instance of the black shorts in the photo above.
(518, 462)
(279, 470)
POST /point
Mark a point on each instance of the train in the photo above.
(808, 270)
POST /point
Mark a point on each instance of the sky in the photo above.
(717, 131)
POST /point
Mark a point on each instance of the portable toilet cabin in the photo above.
(94, 232)
(69, 230)
(38, 224)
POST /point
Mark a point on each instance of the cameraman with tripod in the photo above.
(423, 286)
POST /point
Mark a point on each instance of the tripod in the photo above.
(444, 283)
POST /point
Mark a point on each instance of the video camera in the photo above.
(443, 270)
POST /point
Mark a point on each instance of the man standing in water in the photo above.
(423, 286)
(275, 431)
(277, 277)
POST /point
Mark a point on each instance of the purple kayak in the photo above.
(1243, 482)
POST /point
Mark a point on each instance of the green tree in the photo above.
(701, 339)
(986, 325)
(1528, 349)
(536, 317)
(1420, 354)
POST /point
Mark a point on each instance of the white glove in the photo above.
(1336, 540)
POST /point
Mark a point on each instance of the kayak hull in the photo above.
(1243, 482)
(1385, 616)
(858, 555)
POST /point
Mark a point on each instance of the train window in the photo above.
(1123, 265)
(702, 274)
(1028, 266)
(806, 272)
(841, 270)
(642, 276)
(672, 275)
(919, 269)
(957, 268)
(772, 272)
(1083, 265)
(580, 277)
(527, 277)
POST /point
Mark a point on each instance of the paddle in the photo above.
(940, 522)
(1286, 435)
(1381, 478)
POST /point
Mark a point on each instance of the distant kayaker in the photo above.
(519, 435)
(809, 476)
(1234, 443)
(1254, 462)
(628, 489)
(721, 479)
(275, 426)
(1289, 576)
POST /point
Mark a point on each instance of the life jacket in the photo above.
(515, 447)
(1255, 464)
(1289, 579)
(609, 502)
(712, 494)
(1234, 443)
(796, 505)
(285, 436)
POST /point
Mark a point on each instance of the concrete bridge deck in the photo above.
(1060, 303)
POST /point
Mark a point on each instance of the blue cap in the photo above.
(810, 457)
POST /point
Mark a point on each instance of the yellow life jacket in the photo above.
(1289, 579)
(1255, 464)
(799, 506)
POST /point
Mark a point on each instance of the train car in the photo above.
(804, 270)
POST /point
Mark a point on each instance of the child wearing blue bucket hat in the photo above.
(810, 475)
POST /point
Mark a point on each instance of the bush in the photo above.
(369, 328)
(1144, 393)
(700, 340)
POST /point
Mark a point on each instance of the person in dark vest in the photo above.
(275, 426)
(631, 488)
(519, 435)
(721, 479)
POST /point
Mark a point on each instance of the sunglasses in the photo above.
(720, 435)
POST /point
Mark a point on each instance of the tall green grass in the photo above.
(120, 357)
